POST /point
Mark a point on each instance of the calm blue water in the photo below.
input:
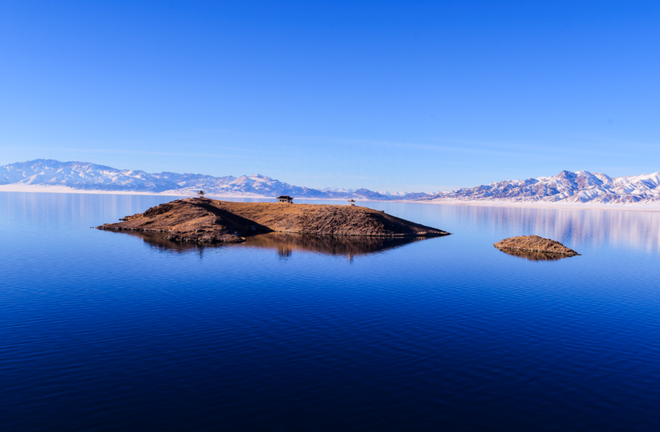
(103, 331)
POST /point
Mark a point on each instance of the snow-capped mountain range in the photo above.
(92, 177)
(567, 186)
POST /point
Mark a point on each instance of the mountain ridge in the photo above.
(93, 177)
(567, 186)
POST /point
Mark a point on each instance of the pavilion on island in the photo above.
(285, 199)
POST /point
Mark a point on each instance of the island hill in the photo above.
(206, 221)
(535, 248)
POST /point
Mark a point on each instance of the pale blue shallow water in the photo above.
(102, 331)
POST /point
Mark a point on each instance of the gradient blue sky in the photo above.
(405, 95)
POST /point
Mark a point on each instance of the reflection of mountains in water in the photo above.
(285, 244)
(534, 255)
(572, 226)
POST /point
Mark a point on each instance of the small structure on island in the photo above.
(351, 202)
(285, 199)
(200, 194)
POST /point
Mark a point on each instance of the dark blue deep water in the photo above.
(103, 331)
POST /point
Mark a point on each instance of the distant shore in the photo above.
(66, 189)
(494, 203)
(545, 204)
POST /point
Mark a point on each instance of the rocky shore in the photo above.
(205, 221)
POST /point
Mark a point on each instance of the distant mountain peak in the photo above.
(567, 186)
(89, 176)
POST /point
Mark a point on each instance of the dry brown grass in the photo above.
(534, 243)
(207, 221)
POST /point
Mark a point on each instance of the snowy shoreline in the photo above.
(489, 203)
(545, 204)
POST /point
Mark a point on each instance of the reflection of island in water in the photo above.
(534, 255)
(351, 246)
(285, 244)
(157, 241)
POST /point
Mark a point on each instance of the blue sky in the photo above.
(406, 95)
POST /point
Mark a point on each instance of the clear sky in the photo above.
(388, 95)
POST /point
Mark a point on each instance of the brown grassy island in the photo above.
(534, 247)
(202, 220)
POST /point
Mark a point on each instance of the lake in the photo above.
(103, 331)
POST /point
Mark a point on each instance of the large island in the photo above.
(202, 220)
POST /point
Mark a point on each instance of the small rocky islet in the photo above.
(535, 248)
(207, 221)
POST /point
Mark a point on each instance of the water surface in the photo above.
(103, 331)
